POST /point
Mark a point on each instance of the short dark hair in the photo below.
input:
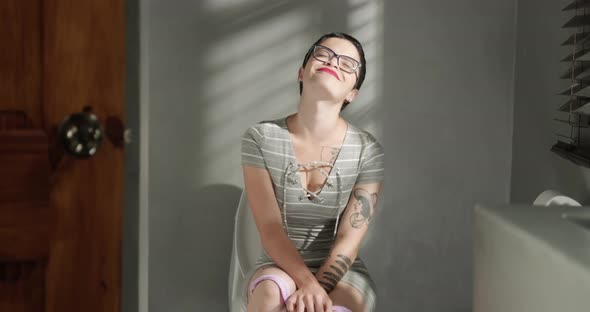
(359, 48)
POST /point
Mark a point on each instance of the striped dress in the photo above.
(312, 223)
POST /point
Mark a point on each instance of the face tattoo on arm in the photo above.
(364, 204)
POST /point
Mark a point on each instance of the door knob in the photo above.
(81, 134)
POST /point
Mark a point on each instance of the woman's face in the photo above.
(327, 78)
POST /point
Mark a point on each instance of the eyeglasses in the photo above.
(325, 55)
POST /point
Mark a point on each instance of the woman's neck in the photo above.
(316, 120)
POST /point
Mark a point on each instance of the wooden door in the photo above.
(60, 216)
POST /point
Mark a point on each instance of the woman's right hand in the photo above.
(309, 298)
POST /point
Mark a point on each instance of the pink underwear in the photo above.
(285, 290)
(279, 281)
(340, 309)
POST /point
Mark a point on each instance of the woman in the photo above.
(312, 182)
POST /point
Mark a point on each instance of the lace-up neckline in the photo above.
(293, 173)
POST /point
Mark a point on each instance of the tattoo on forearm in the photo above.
(363, 205)
(327, 286)
(330, 278)
(332, 275)
(346, 259)
(328, 283)
(342, 265)
(340, 272)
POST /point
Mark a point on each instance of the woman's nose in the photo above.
(333, 62)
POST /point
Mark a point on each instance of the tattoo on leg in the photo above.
(363, 205)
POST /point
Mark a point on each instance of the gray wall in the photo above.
(449, 78)
(535, 168)
(438, 95)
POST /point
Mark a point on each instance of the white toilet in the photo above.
(245, 251)
(554, 198)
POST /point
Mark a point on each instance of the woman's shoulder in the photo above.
(266, 129)
(371, 157)
(363, 137)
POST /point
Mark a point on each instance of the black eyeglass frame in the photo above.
(337, 56)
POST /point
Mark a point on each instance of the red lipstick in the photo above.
(329, 71)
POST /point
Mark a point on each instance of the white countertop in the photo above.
(547, 226)
(529, 258)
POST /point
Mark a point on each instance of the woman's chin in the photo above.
(324, 90)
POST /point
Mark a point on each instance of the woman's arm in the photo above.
(352, 229)
(267, 217)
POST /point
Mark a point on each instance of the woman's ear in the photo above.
(300, 74)
(352, 95)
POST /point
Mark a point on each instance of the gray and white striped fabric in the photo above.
(311, 223)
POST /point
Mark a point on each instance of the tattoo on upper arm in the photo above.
(330, 278)
(363, 205)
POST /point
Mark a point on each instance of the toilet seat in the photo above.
(554, 198)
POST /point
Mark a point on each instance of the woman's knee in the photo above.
(267, 292)
(269, 286)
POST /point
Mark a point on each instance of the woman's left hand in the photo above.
(309, 298)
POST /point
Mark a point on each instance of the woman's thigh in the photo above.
(346, 295)
(274, 271)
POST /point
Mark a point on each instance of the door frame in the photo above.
(135, 244)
